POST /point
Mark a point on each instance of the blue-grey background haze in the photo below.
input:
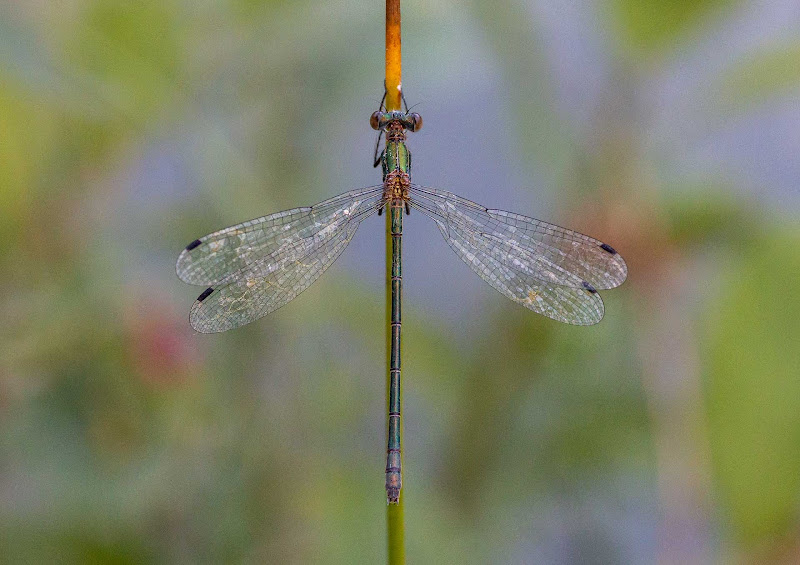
(670, 432)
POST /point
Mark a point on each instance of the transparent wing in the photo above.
(266, 284)
(545, 251)
(548, 269)
(208, 260)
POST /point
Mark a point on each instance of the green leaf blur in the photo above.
(668, 433)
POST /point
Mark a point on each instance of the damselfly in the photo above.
(254, 268)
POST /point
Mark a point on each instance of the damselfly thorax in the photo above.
(395, 187)
(395, 160)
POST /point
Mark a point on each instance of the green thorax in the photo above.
(396, 157)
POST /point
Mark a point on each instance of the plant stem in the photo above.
(395, 528)
(393, 55)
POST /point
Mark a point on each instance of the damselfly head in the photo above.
(411, 122)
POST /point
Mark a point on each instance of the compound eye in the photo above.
(416, 121)
(375, 120)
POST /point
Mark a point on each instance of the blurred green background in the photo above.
(669, 433)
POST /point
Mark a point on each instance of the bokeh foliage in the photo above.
(650, 27)
(752, 387)
(127, 129)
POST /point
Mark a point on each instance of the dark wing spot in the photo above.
(607, 247)
(208, 291)
(192, 245)
(589, 287)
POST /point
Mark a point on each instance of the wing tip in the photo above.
(607, 248)
(193, 244)
(205, 294)
(623, 267)
(200, 328)
(198, 316)
(182, 266)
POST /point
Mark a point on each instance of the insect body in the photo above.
(396, 163)
(254, 268)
